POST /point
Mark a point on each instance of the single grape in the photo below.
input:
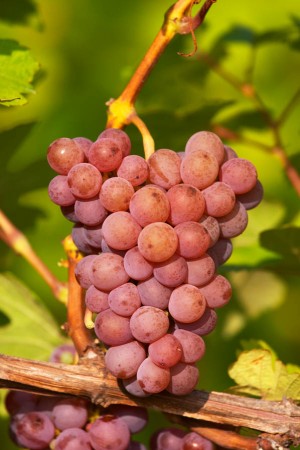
(59, 191)
(124, 299)
(120, 137)
(217, 292)
(184, 378)
(136, 265)
(136, 417)
(229, 153)
(70, 413)
(172, 272)
(157, 242)
(235, 222)
(193, 441)
(192, 345)
(187, 303)
(84, 180)
(109, 432)
(121, 231)
(116, 194)
(69, 213)
(147, 324)
(63, 154)
(240, 174)
(20, 402)
(132, 386)
(72, 439)
(199, 168)
(107, 271)
(193, 239)
(166, 351)
(90, 212)
(206, 140)
(93, 235)
(152, 379)
(153, 293)
(221, 251)
(134, 169)
(186, 204)
(124, 360)
(83, 271)
(105, 248)
(84, 143)
(205, 325)
(32, 430)
(164, 168)
(96, 300)
(105, 154)
(212, 226)
(149, 204)
(200, 270)
(219, 199)
(64, 354)
(80, 239)
(113, 329)
(252, 198)
(167, 439)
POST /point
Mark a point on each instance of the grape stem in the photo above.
(16, 240)
(121, 110)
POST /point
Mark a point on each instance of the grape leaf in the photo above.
(258, 372)
(26, 328)
(17, 70)
(17, 11)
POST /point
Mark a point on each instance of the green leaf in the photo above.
(17, 11)
(257, 372)
(26, 328)
(17, 70)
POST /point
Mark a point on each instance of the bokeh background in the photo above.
(87, 52)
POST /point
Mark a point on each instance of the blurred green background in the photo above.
(87, 52)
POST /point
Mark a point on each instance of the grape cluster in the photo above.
(154, 234)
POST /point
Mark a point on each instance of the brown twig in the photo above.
(92, 381)
(16, 240)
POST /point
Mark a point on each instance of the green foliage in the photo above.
(18, 68)
(260, 373)
(26, 327)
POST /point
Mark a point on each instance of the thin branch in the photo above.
(148, 142)
(16, 240)
(288, 109)
(194, 22)
(95, 383)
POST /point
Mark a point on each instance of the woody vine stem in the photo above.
(215, 415)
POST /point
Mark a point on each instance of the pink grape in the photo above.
(63, 154)
(152, 379)
(193, 239)
(120, 137)
(172, 272)
(32, 430)
(186, 202)
(71, 439)
(59, 191)
(184, 378)
(134, 169)
(116, 193)
(166, 351)
(221, 251)
(149, 204)
(90, 212)
(193, 441)
(105, 154)
(167, 439)
(132, 386)
(112, 329)
(205, 325)
(124, 360)
(206, 140)
(109, 432)
(95, 300)
(93, 235)
(20, 402)
(164, 168)
(70, 413)
(153, 293)
(80, 239)
(217, 292)
(240, 174)
(105, 248)
(121, 231)
(69, 213)
(229, 153)
(136, 265)
(212, 226)
(84, 143)
(199, 168)
(65, 354)
(147, 324)
(157, 242)
(252, 198)
(84, 180)
(83, 271)
(108, 271)
(235, 222)
(136, 417)
(192, 345)
(200, 270)
(187, 303)
(219, 199)
(124, 299)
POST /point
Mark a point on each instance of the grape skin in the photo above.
(219, 199)
(235, 222)
(153, 293)
(96, 300)
(147, 324)
(193, 239)
(171, 273)
(134, 169)
(113, 329)
(59, 191)
(105, 154)
(212, 226)
(152, 379)
(72, 439)
(200, 270)
(70, 413)
(84, 180)
(124, 360)
(109, 432)
(187, 303)
(184, 378)
(83, 271)
(217, 292)
(164, 168)
(33, 430)
(192, 345)
(157, 242)
(115, 194)
(186, 204)
(148, 205)
(120, 137)
(135, 417)
(107, 271)
(136, 265)
(63, 154)
(167, 439)
(124, 299)
(221, 251)
(166, 351)
(121, 231)
(205, 325)
(206, 140)
(193, 441)
(90, 212)
(199, 168)
(240, 174)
